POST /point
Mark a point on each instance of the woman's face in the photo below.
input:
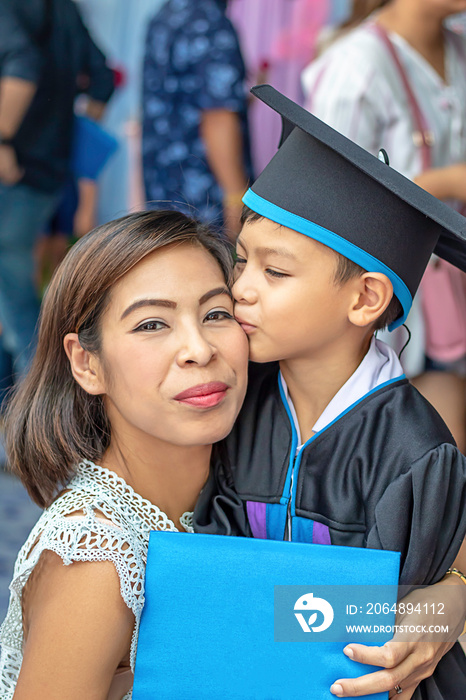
(173, 360)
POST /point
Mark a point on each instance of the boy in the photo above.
(333, 445)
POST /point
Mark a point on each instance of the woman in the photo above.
(140, 367)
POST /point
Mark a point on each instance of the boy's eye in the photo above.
(218, 315)
(275, 273)
(152, 325)
(238, 270)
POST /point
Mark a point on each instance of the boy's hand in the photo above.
(409, 657)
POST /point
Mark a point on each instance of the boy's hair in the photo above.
(345, 270)
(51, 422)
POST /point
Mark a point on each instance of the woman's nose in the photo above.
(195, 348)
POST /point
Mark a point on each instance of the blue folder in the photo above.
(224, 617)
(92, 147)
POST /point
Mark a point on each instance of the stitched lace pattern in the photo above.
(97, 493)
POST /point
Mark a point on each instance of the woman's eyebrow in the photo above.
(167, 304)
(214, 293)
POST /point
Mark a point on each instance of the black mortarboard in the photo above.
(323, 185)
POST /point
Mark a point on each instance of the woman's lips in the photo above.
(203, 395)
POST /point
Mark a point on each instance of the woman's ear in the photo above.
(373, 294)
(85, 366)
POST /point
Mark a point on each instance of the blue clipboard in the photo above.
(220, 619)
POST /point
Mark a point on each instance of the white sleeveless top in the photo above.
(114, 526)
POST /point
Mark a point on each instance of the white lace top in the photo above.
(114, 526)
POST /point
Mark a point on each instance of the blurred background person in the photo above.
(119, 27)
(195, 132)
(44, 47)
(398, 81)
(76, 214)
(277, 39)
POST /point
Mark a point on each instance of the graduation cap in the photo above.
(323, 185)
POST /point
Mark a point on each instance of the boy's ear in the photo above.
(373, 294)
(85, 367)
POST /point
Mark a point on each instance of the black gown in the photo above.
(386, 474)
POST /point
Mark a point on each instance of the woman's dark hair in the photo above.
(51, 422)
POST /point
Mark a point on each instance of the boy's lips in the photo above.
(245, 325)
(203, 395)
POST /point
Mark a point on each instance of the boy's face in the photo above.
(286, 298)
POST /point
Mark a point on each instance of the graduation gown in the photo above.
(386, 474)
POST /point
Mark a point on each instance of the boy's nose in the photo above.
(243, 291)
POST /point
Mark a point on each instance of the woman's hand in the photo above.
(410, 657)
(10, 171)
(84, 218)
(445, 183)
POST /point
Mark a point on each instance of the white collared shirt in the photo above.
(355, 87)
(380, 365)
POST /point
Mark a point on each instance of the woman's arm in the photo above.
(84, 218)
(223, 140)
(445, 183)
(77, 630)
(407, 663)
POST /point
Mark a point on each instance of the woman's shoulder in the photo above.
(110, 498)
(358, 49)
(98, 519)
(91, 520)
(355, 64)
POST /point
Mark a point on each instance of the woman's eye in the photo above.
(240, 260)
(275, 273)
(151, 326)
(218, 315)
